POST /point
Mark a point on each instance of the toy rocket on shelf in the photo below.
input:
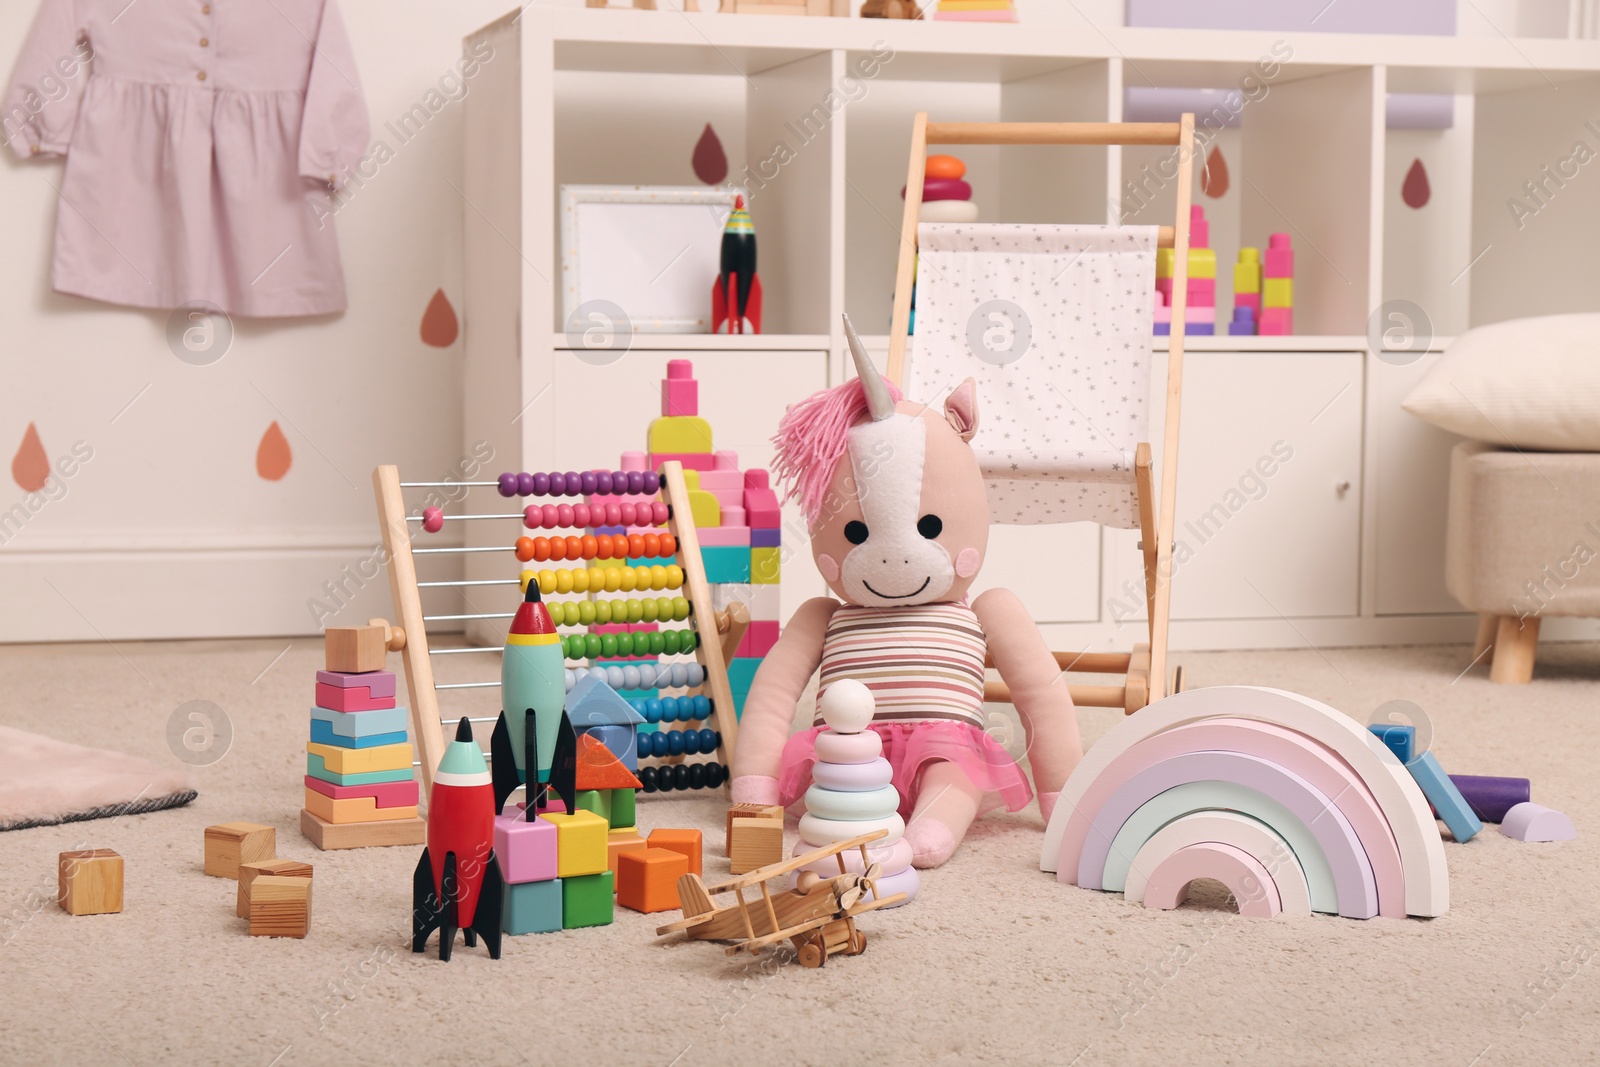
(457, 883)
(533, 741)
(736, 298)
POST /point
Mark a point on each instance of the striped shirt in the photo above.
(922, 662)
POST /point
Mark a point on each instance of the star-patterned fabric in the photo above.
(1054, 324)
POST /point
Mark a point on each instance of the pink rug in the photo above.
(44, 782)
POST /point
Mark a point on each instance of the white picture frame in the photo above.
(654, 251)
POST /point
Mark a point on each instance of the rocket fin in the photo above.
(490, 899)
(753, 304)
(449, 920)
(426, 908)
(719, 303)
(502, 764)
(564, 764)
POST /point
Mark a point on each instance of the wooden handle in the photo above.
(394, 637)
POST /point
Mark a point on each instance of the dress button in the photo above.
(201, 75)
(205, 42)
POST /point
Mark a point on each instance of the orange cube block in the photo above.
(687, 842)
(620, 841)
(647, 880)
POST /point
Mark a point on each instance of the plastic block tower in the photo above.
(1263, 290)
(851, 794)
(976, 11)
(1200, 310)
(358, 759)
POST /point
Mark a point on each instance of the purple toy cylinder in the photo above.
(1491, 797)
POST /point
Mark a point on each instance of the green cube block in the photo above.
(597, 801)
(587, 900)
(622, 808)
(532, 907)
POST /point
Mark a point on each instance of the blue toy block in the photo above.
(532, 907)
(1244, 322)
(362, 723)
(726, 563)
(620, 740)
(322, 733)
(1399, 739)
(594, 703)
(1446, 799)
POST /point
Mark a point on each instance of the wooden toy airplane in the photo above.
(818, 915)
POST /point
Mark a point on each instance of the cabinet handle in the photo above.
(1342, 487)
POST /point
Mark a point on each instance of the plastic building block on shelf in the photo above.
(1277, 293)
(1276, 322)
(232, 843)
(1243, 324)
(1535, 822)
(680, 433)
(89, 882)
(680, 392)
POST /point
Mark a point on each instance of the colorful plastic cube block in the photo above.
(624, 803)
(765, 601)
(680, 433)
(759, 638)
(580, 842)
(1276, 322)
(766, 537)
(647, 880)
(1279, 263)
(1247, 272)
(721, 479)
(680, 393)
(760, 502)
(724, 564)
(588, 900)
(1248, 300)
(724, 536)
(766, 566)
(734, 516)
(1201, 313)
(1243, 324)
(692, 461)
(526, 851)
(532, 907)
(689, 843)
(89, 882)
(1277, 292)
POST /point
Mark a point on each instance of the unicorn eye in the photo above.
(930, 526)
(855, 532)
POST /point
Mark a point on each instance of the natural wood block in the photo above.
(280, 906)
(232, 843)
(89, 882)
(327, 836)
(249, 872)
(355, 649)
(748, 811)
(755, 843)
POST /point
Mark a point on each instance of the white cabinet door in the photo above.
(1269, 490)
(605, 410)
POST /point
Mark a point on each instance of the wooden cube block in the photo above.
(526, 850)
(249, 872)
(647, 880)
(355, 649)
(580, 843)
(588, 900)
(280, 906)
(532, 907)
(748, 811)
(89, 882)
(755, 843)
(232, 843)
(621, 841)
(685, 842)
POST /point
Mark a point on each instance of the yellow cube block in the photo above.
(1247, 272)
(680, 433)
(705, 507)
(1202, 262)
(1277, 292)
(765, 566)
(362, 760)
(582, 843)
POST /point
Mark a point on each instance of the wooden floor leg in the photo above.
(1515, 644)
(1487, 624)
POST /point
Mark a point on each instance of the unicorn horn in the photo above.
(879, 403)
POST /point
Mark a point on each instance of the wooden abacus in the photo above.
(709, 706)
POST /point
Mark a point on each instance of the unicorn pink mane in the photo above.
(811, 440)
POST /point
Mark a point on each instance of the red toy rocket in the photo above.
(737, 295)
(457, 884)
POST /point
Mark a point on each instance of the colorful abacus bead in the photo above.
(433, 519)
(507, 484)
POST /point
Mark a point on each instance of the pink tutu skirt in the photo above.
(910, 746)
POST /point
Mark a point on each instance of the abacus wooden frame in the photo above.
(1144, 669)
(712, 650)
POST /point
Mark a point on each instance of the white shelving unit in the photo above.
(1342, 545)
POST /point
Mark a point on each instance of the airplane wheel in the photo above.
(812, 954)
(858, 943)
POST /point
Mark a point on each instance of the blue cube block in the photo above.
(532, 907)
(726, 563)
(322, 733)
(620, 740)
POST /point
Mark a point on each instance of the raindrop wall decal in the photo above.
(30, 467)
(273, 456)
(1415, 190)
(440, 328)
(710, 161)
(1214, 175)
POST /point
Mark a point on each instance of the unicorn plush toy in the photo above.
(899, 522)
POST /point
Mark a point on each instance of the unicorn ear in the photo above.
(961, 409)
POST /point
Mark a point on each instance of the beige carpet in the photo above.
(995, 963)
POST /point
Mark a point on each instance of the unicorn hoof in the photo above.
(932, 843)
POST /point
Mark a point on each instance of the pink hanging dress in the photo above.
(203, 139)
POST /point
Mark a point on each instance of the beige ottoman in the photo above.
(1523, 543)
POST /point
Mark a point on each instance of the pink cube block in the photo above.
(526, 851)
(722, 479)
(724, 536)
(1248, 300)
(1199, 314)
(351, 698)
(679, 397)
(756, 479)
(727, 496)
(733, 515)
(1276, 322)
(727, 461)
(1201, 287)
(634, 461)
(1279, 263)
(1200, 234)
(692, 461)
(761, 508)
(1164, 288)
(1278, 240)
(759, 638)
(1163, 313)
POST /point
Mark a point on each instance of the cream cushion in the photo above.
(1526, 383)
